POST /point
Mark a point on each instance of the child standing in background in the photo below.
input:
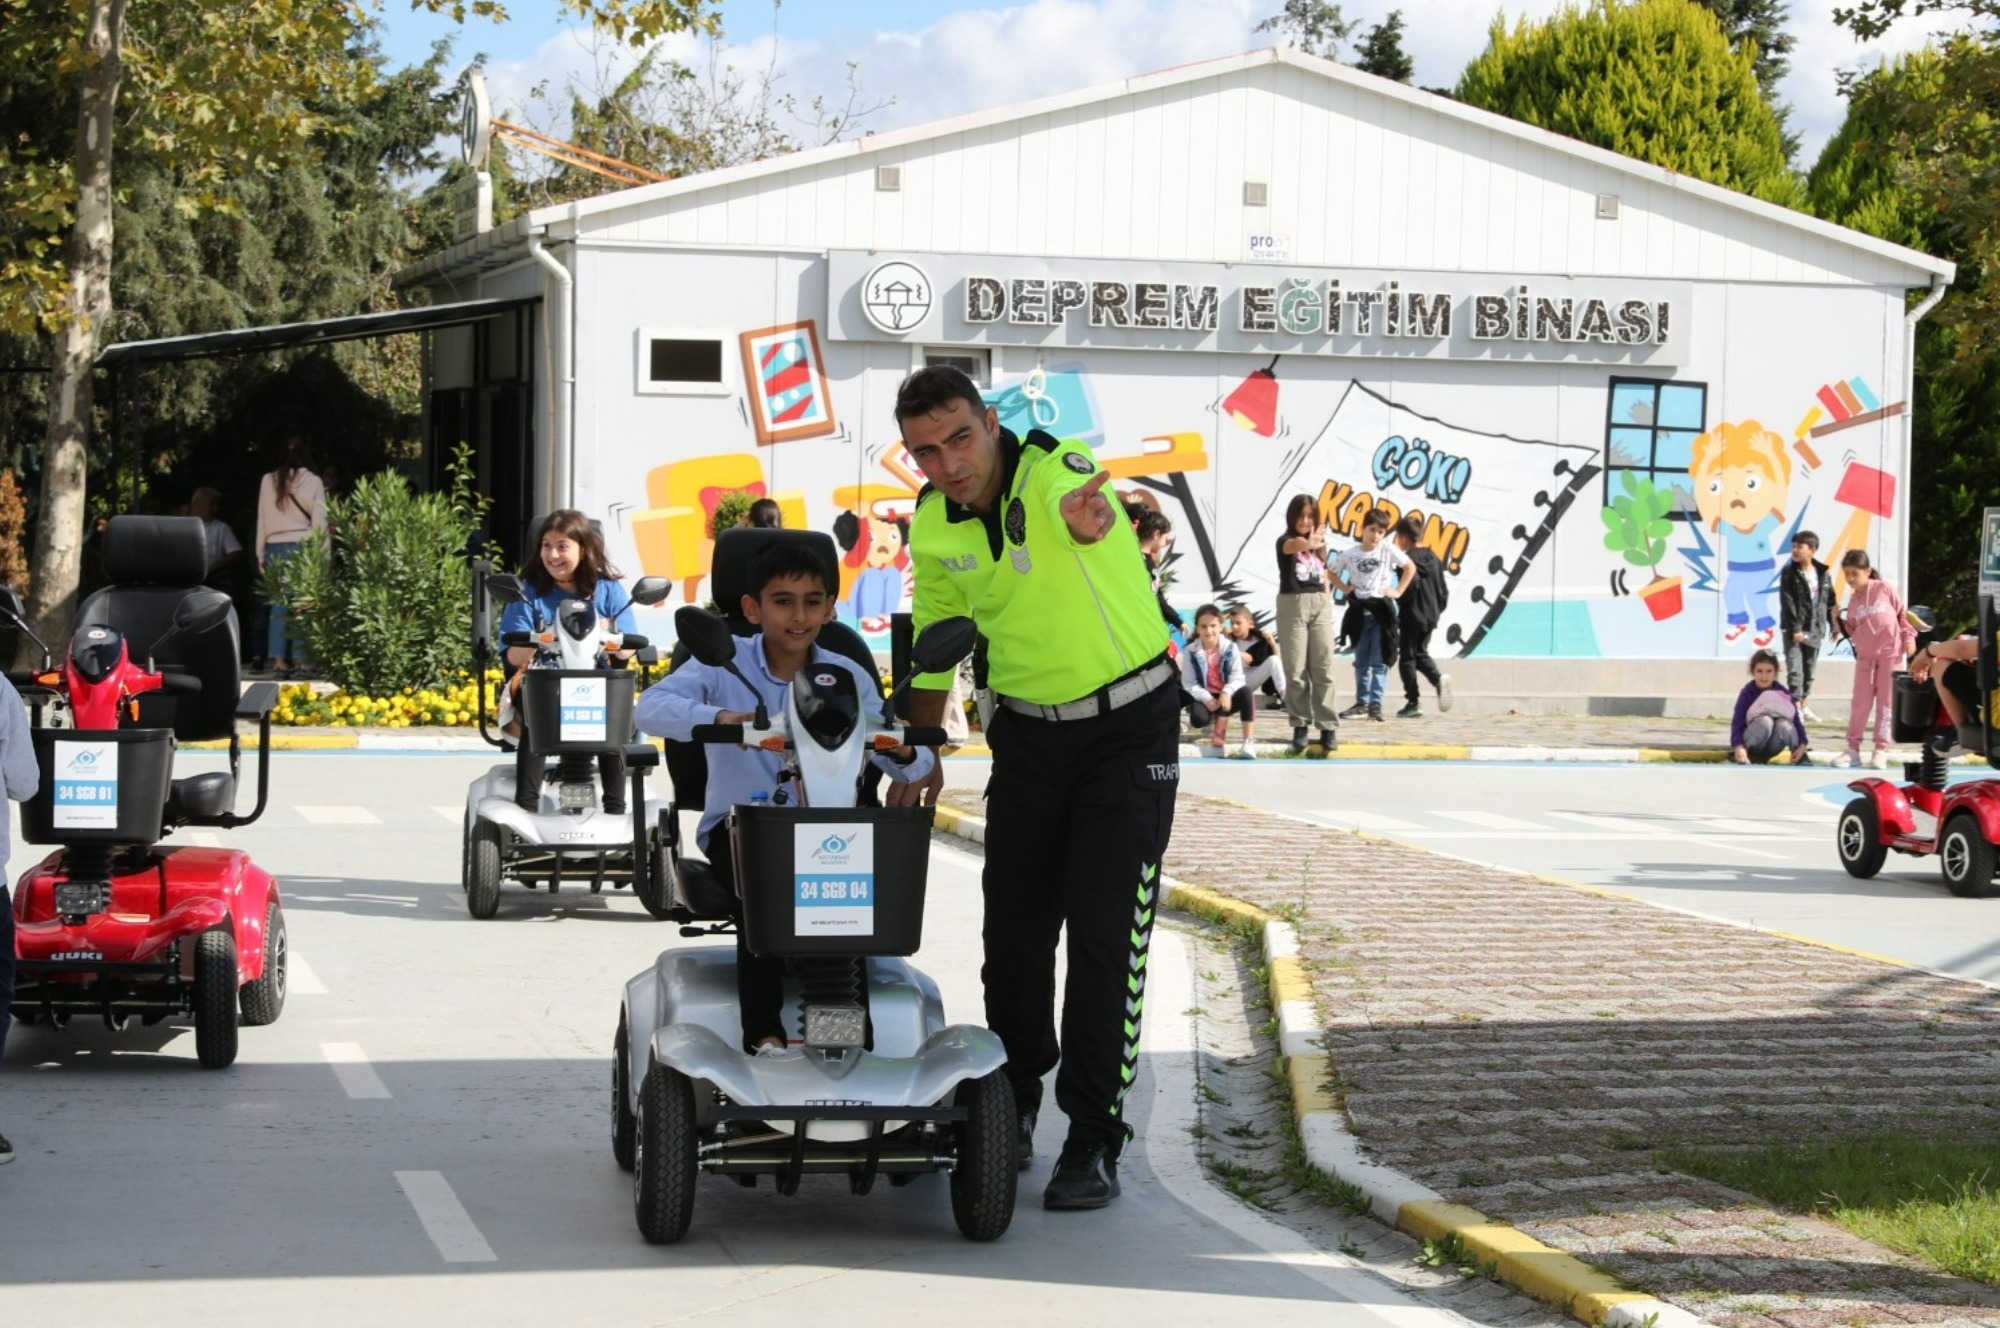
(1876, 622)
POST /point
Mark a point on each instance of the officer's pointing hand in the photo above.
(1087, 512)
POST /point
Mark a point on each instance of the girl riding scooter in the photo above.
(568, 563)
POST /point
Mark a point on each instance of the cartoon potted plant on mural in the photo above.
(1636, 527)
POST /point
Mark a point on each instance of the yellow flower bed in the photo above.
(456, 705)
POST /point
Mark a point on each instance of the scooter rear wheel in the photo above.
(623, 1124)
(482, 870)
(654, 893)
(1966, 858)
(264, 998)
(1858, 839)
(984, 1178)
(664, 1169)
(215, 999)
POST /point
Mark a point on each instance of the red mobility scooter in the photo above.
(112, 924)
(1927, 813)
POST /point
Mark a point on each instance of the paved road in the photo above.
(1749, 845)
(423, 1134)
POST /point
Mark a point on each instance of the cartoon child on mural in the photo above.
(875, 554)
(1741, 477)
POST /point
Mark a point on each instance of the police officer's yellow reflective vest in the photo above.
(1061, 619)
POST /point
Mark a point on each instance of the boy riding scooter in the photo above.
(789, 601)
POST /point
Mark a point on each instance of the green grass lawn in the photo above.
(1935, 1199)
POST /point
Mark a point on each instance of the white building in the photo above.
(1237, 281)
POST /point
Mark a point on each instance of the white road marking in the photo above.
(336, 814)
(1726, 825)
(200, 838)
(351, 1067)
(1489, 820)
(445, 1220)
(1365, 820)
(1632, 828)
(300, 980)
(456, 815)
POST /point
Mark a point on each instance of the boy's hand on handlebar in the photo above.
(918, 792)
(734, 717)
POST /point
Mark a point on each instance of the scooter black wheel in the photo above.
(482, 870)
(1966, 857)
(623, 1123)
(215, 999)
(1858, 838)
(264, 998)
(653, 893)
(984, 1176)
(663, 1167)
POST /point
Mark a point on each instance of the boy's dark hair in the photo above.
(934, 387)
(1807, 538)
(1153, 523)
(1763, 657)
(782, 559)
(766, 515)
(1209, 611)
(1411, 529)
(1377, 518)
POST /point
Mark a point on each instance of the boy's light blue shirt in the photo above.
(695, 694)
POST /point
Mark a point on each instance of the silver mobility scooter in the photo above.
(578, 705)
(884, 1087)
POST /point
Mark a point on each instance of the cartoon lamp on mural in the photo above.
(874, 554)
(1741, 475)
(1636, 526)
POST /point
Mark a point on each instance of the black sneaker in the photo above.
(1375, 713)
(1329, 740)
(1086, 1177)
(1355, 711)
(6, 1151)
(1299, 740)
(1025, 1138)
(614, 806)
(1411, 711)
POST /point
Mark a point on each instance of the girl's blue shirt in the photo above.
(610, 601)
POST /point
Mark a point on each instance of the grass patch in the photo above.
(1935, 1199)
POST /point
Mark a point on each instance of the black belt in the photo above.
(1115, 695)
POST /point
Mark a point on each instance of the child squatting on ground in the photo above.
(1877, 623)
(1212, 676)
(1766, 720)
(790, 601)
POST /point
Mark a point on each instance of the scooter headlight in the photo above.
(835, 1026)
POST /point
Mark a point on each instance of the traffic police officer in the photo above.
(1085, 737)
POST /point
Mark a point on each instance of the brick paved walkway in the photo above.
(1524, 1048)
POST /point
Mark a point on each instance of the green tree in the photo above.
(1313, 26)
(1761, 24)
(1653, 79)
(1381, 52)
(221, 88)
(1914, 163)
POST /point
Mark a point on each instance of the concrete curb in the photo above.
(1419, 751)
(1507, 1254)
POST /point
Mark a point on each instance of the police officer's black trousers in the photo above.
(1078, 815)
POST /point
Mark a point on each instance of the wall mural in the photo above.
(1688, 519)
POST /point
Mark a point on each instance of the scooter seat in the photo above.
(201, 797)
(706, 894)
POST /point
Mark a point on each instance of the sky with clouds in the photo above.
(938, 59)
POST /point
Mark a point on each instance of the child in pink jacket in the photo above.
(1875, 621)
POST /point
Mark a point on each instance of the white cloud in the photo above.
(977, 58)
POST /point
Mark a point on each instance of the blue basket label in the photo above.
(582, 710)
(85, 787)
(833, 880)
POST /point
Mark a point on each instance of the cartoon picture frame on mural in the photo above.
(784, 383)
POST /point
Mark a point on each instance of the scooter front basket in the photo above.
(99, 786)
(831, 880)
(1913, 709)
(577, 712)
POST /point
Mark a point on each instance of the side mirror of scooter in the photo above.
(1922, 617)
(943, 644)
(197, 615)
(505, 588)
(651, 590)
(11, 609)
(711, 642)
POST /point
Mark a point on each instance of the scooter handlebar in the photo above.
(717, 733)
(925, 736)
(181, 684)
(511, 639)
(631, 641)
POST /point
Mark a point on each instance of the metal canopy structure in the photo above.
(322, 331)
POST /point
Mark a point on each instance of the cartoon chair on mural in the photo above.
(1741, 478)
(673, 536)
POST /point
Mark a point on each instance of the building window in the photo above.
(682, 361)
(975, 362)
(1650, 427)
